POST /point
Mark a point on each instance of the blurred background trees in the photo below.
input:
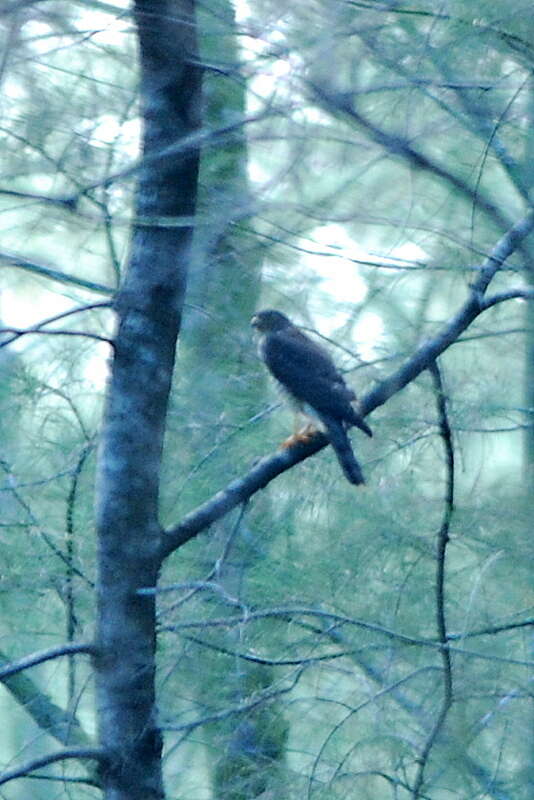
(360, 161)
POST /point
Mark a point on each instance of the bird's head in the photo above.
(270, 320)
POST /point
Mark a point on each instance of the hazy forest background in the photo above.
(367, 168)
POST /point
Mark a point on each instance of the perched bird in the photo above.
(310, 378)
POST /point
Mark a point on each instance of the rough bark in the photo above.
(528, 441)
(149, 312)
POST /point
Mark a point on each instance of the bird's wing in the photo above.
(289, 349)
(309, 374)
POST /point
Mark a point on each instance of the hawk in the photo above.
(316, 387)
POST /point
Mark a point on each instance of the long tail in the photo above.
(343, 449)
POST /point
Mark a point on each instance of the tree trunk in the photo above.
(149, 309)
(528, 442)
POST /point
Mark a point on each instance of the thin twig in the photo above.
(47, 538)
(290, 612)
(39, 327)
(46, 655)
(511, 294)
(385, 690)
(398, 145)
(443, 538)
(243, 708)
(15, 260)
(95, 753)
(492, 629)
(69, 574)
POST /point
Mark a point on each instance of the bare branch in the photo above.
(95, 753)
(18, 332)
(47, 538)
(511, 294)
(45, 655)
(39, 328)
(63, 202)
(289, 613)
(241, 489)
(492, 629)
(16, 5)
(397, 145)
(477, 117)
(69, 313)
(386, 690)
(443, 538)
(68, 595)
(203, 138)
(243, 708)
(272, 662)
(62, 725)
(14, 260)
(468, 312)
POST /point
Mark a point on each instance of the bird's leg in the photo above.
(300, 435)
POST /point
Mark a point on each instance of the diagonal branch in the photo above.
(62, 725)
(15, 260)
(475, 304)
(95, 753)
(11, 668)
(511, 294)
(398, 145)
(259, 699)
(241, 489)
(40, 326)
